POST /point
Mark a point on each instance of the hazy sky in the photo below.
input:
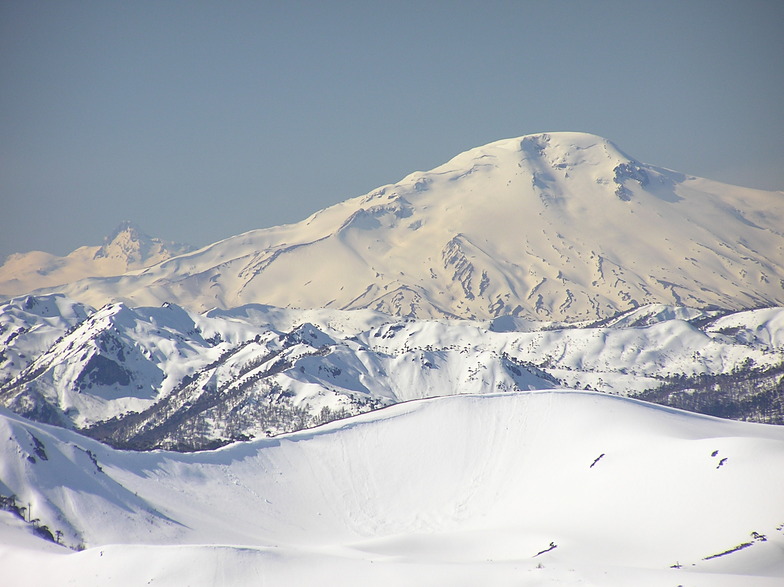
(200, 120)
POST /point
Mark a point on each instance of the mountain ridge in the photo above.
(164, 377)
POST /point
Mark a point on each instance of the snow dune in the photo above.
(530, 488)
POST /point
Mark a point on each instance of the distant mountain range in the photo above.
(163, 377)
(575, 265)
(568, 263)
(557, 226)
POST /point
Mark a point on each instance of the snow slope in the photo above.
(126, 249)
(530, 488)
(556, 226)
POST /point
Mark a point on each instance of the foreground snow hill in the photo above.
(553, 226)
(528, 488)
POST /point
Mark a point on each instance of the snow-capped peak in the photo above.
(131, 246)
(127, 248)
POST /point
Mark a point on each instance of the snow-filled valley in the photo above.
(541, 363)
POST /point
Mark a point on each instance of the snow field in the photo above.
(437, 492)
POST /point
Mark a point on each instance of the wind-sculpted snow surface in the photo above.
(558, 226)
(529, 488)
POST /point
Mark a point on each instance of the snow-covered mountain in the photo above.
(470, 450)
(527, 488)
(558, 226)
(165, 377)
(126, 249)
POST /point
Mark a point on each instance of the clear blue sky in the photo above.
(200, 120)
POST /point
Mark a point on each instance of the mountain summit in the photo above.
(553, 226)
(127, 248)
(130, 246)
